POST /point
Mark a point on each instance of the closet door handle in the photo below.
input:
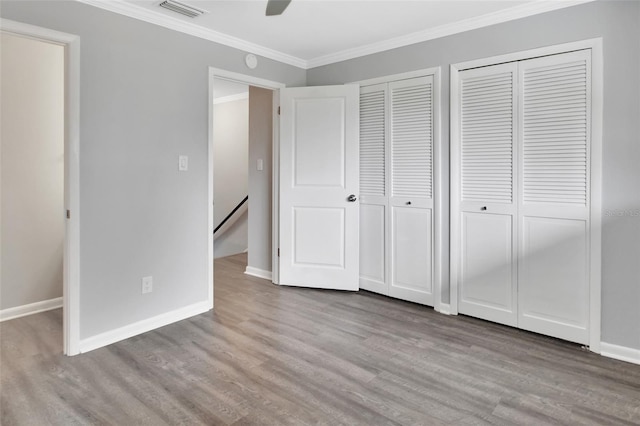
(483, 208)
(408, 203)
(352, 198)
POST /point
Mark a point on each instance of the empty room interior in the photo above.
(318, 212)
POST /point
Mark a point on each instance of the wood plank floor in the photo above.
(286, 356)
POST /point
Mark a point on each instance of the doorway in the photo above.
(262, 96)
(230, 171)
(62, 157)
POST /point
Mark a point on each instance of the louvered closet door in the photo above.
(487, 274)
(411, 199)
(373, 188)
(555, 110)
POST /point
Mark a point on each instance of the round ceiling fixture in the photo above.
(251, 60)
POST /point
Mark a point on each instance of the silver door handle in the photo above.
(352, 198)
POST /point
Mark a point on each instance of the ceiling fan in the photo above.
(276, 7)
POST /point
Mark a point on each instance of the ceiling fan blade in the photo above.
(276, 7)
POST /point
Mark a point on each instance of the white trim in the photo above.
(237, 77)
(275, 189)
(210, 223)
(595, 241)
(397, 77)
(143, 326)
(510, 14)
(30, 309)
(257, 272)
(454, 184)
(437, 199)
(591, 43)
(595, 297)
(159, 18)
(71, 273)
(621, 353)
(444, 309)
(231, 98)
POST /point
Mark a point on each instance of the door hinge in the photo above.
(278, 251)
(68, 214)
(278, 110)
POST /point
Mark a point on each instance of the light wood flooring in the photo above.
(287, 356)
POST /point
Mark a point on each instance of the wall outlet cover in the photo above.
(147, 284)
(183, 163)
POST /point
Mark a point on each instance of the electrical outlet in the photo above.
(147, 285)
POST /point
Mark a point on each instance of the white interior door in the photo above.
(319, 208)
(487, 237)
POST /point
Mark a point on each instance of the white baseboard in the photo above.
(621, 353)
(444, 308)
(30, 309)
(260, 273)
(143, 326)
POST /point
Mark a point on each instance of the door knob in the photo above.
(408, 203)
(352, 198)
(483, 208)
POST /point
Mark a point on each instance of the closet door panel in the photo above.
(373, 188)
(555, 112)
(372, 247)
(412, 253)
(487, 278)
(553, 285)
(411, 115)
(487, 285)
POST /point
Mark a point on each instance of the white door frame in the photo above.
(216, 73)
(71, 262)
(595, 231)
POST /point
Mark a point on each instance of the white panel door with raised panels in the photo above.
(319, 210)
(487, 275)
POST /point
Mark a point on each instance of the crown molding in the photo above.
(138, 12)
(498, 17)
(231, 98)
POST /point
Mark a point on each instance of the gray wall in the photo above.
(260, 146)
(32, 125)
(144, 101)
(618, 23)
(230, 174)
(235, 239)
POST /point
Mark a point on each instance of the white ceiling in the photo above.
(316, 32)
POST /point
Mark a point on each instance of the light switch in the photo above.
(183, 163)
(260, 165)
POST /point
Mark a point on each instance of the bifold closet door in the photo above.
(555, 112)
(411, 112)
(524, 194)
(373, 189)
(487, 235)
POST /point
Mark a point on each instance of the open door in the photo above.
(319, 183)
